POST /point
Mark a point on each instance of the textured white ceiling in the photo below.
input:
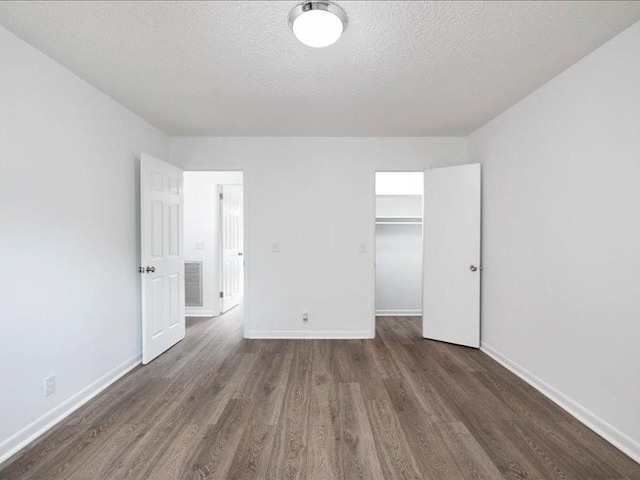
(235, 68)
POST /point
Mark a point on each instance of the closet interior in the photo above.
(399, 205)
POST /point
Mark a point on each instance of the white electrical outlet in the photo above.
(49, 386)
(275, 247)
(305, 317)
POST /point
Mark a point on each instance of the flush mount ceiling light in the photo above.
(317, 23)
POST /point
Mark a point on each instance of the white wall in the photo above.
(399, 183)
(399, 205)
(69, 290)
(399, 269)
(315, 197)
(561, 237)
(201, 217)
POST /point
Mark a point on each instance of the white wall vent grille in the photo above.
(193, 284)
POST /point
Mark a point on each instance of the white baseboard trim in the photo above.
(607, 431)
(308, 334)
(398, 313)
(28, 434)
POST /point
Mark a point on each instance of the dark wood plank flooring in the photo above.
(397, 407)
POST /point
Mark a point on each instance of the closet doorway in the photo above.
(398, 243)
(427, 247)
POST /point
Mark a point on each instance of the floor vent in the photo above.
(193, 284)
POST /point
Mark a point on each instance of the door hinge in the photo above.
(221, 295)
(221, 196)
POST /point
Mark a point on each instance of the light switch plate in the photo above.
(363, 247)
(275, 247)
(200, 245)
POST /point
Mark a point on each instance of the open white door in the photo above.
(162, 256)
(232, 246)
(451, 297)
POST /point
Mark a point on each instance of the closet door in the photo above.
(451, 297)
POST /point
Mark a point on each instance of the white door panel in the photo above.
(451, 297)
(232, 261)
(162, 257)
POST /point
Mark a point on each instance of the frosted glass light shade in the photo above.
(317, 24)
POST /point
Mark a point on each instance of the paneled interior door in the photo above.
(232, 261)
(162, 256)
(451, 222)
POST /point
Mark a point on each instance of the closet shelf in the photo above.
(398, 220)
